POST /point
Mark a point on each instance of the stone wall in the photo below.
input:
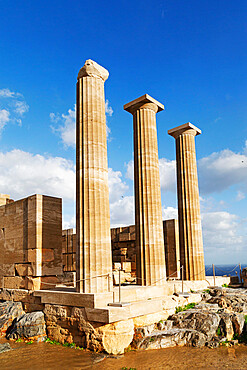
(171, 240)
(69, 250)
(30, 242)
(123, 241)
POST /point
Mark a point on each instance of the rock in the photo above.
(226, 325)
(238, 322)
(165, 325)
(172, 338)
(9, 311)
(207, 306)
(5, 347)
(212, 344)
(30, 326)
(202, 321)
(117, 336)
(141, 333)
(234, 300)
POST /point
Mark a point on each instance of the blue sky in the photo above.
(189, 55)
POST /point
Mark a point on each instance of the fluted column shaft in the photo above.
(190, 230)
(150, 259)
(92, 192)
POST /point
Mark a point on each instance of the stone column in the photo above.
(189, 217)
(150, 259)
(92, 192)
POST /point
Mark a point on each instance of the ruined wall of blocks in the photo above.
(30, 242)
(123, 240)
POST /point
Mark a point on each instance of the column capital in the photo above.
(187, 128)
(145, 101)
(93, 69)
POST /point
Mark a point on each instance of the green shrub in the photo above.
(225, 285)
(50, 341)
(184, 308)
(219, 332)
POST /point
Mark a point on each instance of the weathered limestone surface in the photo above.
(150, 260)
(206, 324)
(29, 326)
(171, 240)
(92, 192)
(189, 217)
(69, 250)
(9, 311)
(30, 241)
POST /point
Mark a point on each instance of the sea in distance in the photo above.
(221, 270)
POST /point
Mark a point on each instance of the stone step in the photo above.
(68, 297)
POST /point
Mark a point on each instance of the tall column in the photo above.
(189, 217)
(92, 192)
(150, 259)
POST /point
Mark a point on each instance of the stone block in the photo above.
(47, 255)
(117, 265)
(124, 237)
(7, 269)
(117, 336)
(24, 269)
(133, 266)
(43, 282)
(14, 282)
(126, 266)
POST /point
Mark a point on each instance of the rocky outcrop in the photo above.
(9, 311)
(234, 300)
(29, 326)
(15, 323)
(216, 319)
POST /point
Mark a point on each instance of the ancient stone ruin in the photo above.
(74, 277)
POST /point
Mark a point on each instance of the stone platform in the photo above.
(144, 300)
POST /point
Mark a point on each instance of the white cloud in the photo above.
(130, 170)
(221, 231)
(67, 128)
(169, 213)
(167, 174)
(108, 108)
(69, 222)
(122, 212)
(6, 93)
(13, 107)
(4, 118)
(220, 170)
(23, 174)
(117, 188)
(21, 107)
